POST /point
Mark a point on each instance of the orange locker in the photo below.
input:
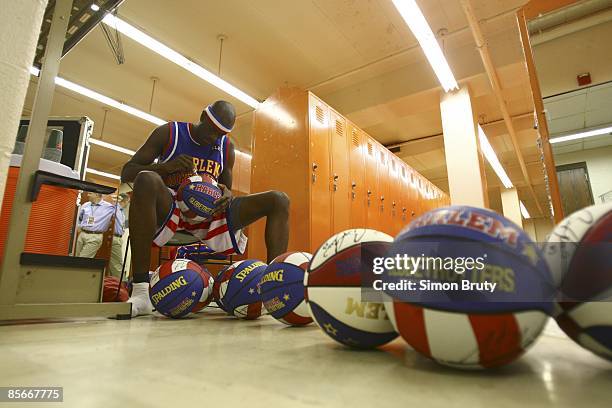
(320, 202)
(357, 176)
(341, 214)
(336, 176)
(383, 188)
(371, 166)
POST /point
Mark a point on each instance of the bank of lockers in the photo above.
(335, 174)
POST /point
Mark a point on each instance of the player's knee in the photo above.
(280, 201)
(146, 183)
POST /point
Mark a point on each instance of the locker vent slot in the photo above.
(393, 164)
(404, 172)
(370, 148)
(355, 137)
(382, 157)
(412, 178)
(320, 115)
(339, 128)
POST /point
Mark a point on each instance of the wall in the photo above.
(599, 166)
(538, 228)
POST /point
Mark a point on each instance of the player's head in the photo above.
(218, 118)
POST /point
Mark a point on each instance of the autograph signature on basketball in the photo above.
(342, 241)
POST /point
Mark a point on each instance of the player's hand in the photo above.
(222, 203)
(182, 164)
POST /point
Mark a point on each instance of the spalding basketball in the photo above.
(282, 288)
(238, 289)
(221, 279)
(177, 287)
(579, 254)
(196, 197)
(113, 291)
(453, 314)
(333, 289)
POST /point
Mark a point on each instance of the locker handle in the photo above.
(314, 174)
(369, 194)
(353, 194)
(335, 182)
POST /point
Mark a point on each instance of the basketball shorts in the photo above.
(223, 233)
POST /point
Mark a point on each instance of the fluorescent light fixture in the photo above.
(34, 71)
(491, 157)
(412, 15)
(581, 135)
(524, 211)
(103, 174)
(112, 146)
(108, 101)
(173, 56)
(95, 7)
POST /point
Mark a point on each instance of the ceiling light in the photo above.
(112, 146)
(108, 101)
(95, 7)
(412, 15)
(581, 135)
(491, 157)
(103, 174)
(524, 211)
(173, 56)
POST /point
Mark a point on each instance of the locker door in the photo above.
(402, 208)
(371, 192)
(394, 194)
(320, 200)
(383, 202)
(341, 209)
(357, 186)
(412, 208)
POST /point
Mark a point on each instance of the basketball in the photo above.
(453, 316)
(282, 288)
(111, 291)
(196, 197)
(177, 286)
(579, 254)
(221, 278)
(333, 289)
(238, 292)
(207, 293)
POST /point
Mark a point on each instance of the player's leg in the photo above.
(151, 204)
(274, 205)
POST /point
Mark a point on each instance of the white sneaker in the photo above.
(141, 304)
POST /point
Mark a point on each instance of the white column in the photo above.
(511, 205)
(20, 23)
(464, 161)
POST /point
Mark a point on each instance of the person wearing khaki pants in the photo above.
(116, 255)
(94, 219)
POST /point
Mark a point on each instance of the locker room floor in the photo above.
(216, 361)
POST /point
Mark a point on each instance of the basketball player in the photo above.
(173, 152)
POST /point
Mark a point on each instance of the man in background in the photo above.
(121, 223)
(95, 217)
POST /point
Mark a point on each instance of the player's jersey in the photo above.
(207, 159)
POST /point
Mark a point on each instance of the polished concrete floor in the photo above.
(212, 360)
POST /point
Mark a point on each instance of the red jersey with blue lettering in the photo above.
(207, 159)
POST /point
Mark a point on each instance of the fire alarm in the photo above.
(584, 79)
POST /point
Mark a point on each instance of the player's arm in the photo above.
(225, 179)
(143, 159)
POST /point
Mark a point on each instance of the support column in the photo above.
(20, 215)
(20, 23)
(511, 205)
(464, 160)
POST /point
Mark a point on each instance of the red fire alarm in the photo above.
(584, 79)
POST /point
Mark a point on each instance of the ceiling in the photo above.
(357, 55)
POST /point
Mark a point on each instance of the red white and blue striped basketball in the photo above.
(237, 289)
(207, 293)
(282, 288)
(579, 254)
(179, 286)
(196, 197)
(222, 277)
(470, 328)
(333, 289)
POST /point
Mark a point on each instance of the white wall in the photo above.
(599, 166)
